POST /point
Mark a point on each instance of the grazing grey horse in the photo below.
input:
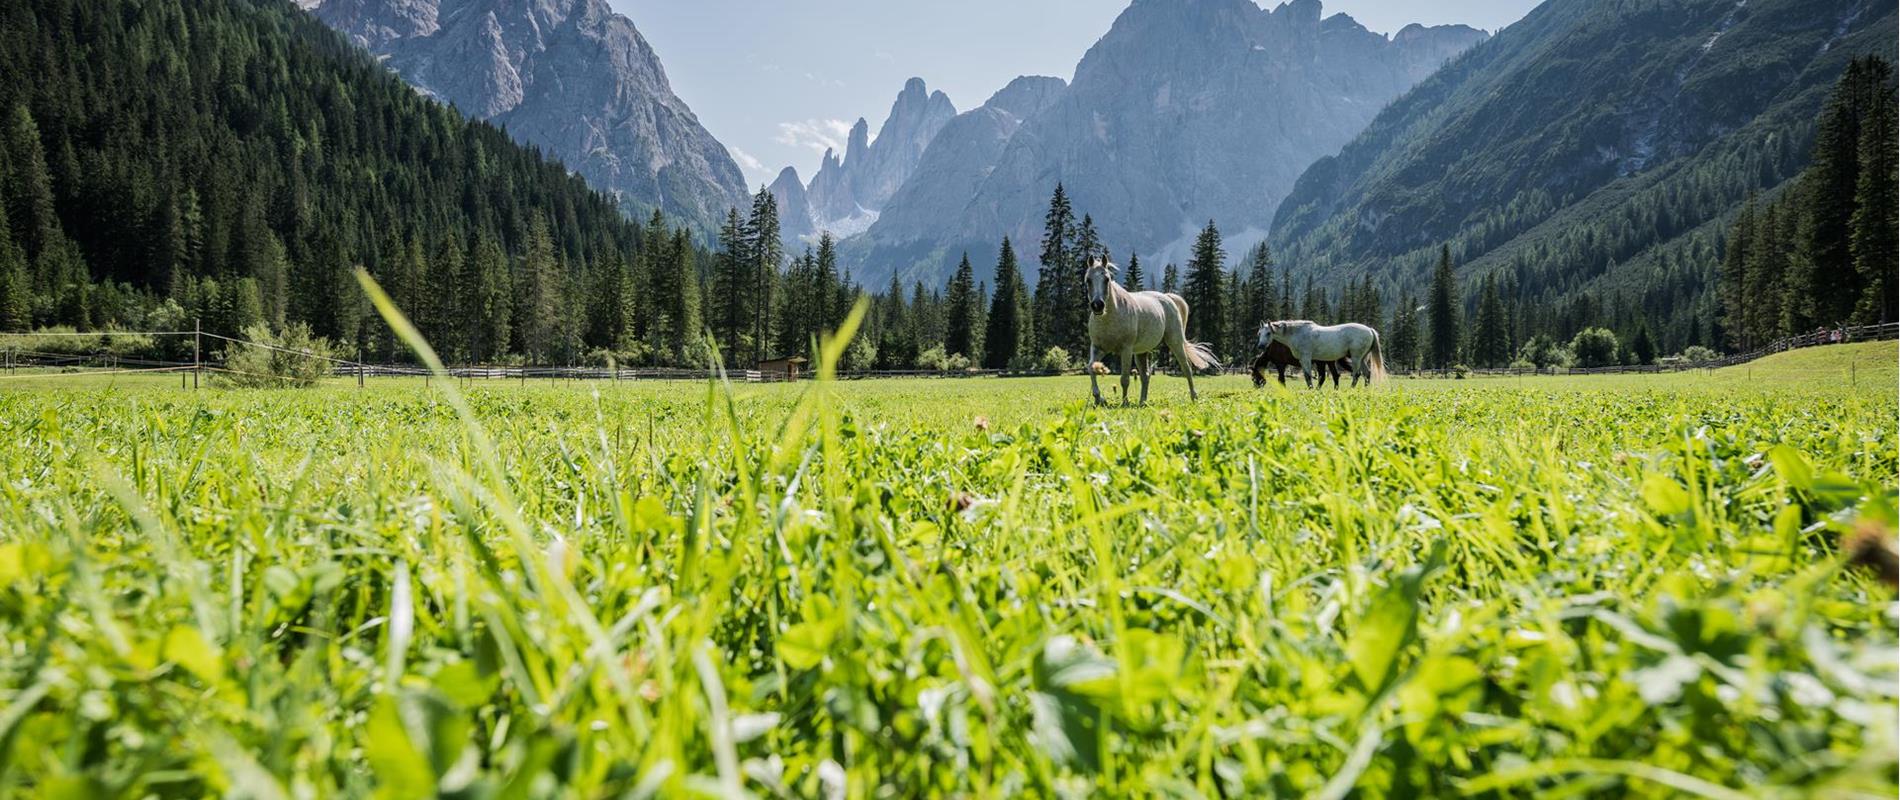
(1312, 342)
(1131, 324)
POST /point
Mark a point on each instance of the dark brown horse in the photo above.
(1280, 356)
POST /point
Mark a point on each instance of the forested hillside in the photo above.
(1586, 158)
(234, 160)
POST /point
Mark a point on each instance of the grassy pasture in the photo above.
(1606, 586)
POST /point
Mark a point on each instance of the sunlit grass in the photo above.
(1607, 585)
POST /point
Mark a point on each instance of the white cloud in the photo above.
(755, 169)
(817, 135)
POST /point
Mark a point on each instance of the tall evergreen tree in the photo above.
(1005, 336)
(1404, 335)
(540, 305)
(490, 312)
(1491, 344)
(1171, 279)
(1259, 301)
(1206, 287)
(1132, 279)
(960, 318)
(1058, 319)
(767, 254)
(1443, 349)
(897, 343)
(729, 308)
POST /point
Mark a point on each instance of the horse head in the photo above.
(1098, 276)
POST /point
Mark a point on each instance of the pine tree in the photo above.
(826, 308)
(1258, 307)
(491, 304)
(1443, 351)
(767, 255)
(1491, 344)
(897, 345)
(1206, 285)
(1057, 316)
(1171, 279)
(1403, 341)
(732, 290)
(1132, 279)
(1642, 346)
(538, 296)
(680, 306)
(1004, 339)
(960, 318)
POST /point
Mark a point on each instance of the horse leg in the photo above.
(1282, 374)
(1306, 366)
(1128, 368)
(1147, 371)
(1094, 387)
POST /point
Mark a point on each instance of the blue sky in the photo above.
(777, 80)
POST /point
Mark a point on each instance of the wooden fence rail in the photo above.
(17, 358)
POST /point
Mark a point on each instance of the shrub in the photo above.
(957, 363)
(1055, 359)
(1595, 347)
(1522, 364)
(292, 359)
(1541, 352)
(1460, 372)
(933, 359)
(1697, 354)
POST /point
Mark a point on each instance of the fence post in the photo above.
(197, 362)
(359, 374)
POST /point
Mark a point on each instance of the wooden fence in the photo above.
(12, 359)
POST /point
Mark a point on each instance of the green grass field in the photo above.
(1598, 586)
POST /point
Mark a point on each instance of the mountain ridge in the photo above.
(572, 77)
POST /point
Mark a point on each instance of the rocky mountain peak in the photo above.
(1185, 111)
(847, 194)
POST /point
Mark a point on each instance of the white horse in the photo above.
(1131, 324)
(1312, 342)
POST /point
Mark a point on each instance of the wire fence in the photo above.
(18, 361)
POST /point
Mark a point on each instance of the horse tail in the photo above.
(1201, 355)
(1375, 359)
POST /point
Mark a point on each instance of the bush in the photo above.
(292, 359)
(1055, 359)
(933, 359)
(1460, 372)
(1697, 354)
(957, 363)
(1595, 347)
(1523, 365)
(1541, 352)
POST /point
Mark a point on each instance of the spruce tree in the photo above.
(729, 306)
(1132, 279)
(1003, 339)
(1057, 316)
(1206, 285)
(1171, 279)
(1490, 341)
(960, 316)
(1443, 350)
(766, 256)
